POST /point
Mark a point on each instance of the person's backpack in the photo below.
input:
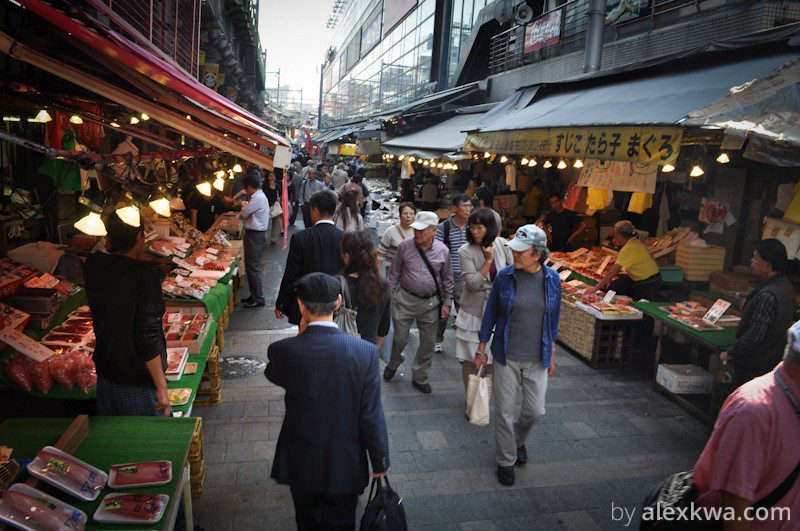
(446, 232)
(345, 316)
(384, 511)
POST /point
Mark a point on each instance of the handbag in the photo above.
(384, 511)
(679, 491)
(275, 210)
(345, 316)
(479, 390)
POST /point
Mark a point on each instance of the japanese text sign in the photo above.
(542, 32)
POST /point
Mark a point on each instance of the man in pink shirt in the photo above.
(755, 447)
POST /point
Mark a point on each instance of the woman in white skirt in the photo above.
(484, 254)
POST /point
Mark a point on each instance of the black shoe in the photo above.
(424, 388)
(522, 455)
(253, 304)
(388, 373)
(247, 300)
(505, 475)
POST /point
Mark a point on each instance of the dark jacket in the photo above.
(334, 414)
(497, 315)
(317, 249)
(761, 335)
(127, 309)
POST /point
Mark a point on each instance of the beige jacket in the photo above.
(476, 286)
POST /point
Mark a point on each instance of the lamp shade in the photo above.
(177, 204)
(91, 224)
(237, 168)
(219, 183)
(130, 215)
(204, 188)
(43, 117)
(668, 168)
(75, 119)
(161, 206)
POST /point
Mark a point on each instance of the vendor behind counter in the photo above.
(643, 279)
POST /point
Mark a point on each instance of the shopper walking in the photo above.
(522, 312)
(273, 192)
(339, 177)
(334, 417)
(429, 194)
(421, 281)
(310, 186)
(125, 298)
(347, 216)
(294, 192)
(767, 311)
(395, 234)
(453, 233)
(315, 249)
(369, 291)
(484, 254)
(752, 458)
(255, 215)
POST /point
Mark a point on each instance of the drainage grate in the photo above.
(232, 367)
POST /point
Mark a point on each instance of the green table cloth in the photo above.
(714, 339)
(215, 300)
(111, 441)
(192, 381)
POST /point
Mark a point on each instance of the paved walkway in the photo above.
(606, 438)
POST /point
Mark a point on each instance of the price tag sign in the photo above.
(716, 311)
(558, 265)
(602, 267)
(564, 275)
(548, 261)
(609, 296)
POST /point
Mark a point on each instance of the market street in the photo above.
(607, 437)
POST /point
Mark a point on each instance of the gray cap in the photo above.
(528, 236)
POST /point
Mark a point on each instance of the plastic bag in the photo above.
(60, 368)
(479, 390)
(18, 371)
(84, 374)
(40, 376)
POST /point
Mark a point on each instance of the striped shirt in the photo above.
(390, 240)
(457, 238)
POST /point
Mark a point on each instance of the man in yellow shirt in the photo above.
(642, 279)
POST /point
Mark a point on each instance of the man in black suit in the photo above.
(315, 249)
(334, 415)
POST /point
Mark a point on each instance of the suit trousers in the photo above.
(306, 211)
(407, 309)
(458, 289)
(507, 380)
(318, 511)
(255, 244)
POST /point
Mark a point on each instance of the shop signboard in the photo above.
(542, 32)
(623, 10)
(394, 11)
(619, 176)
(349, 150)
(647, 144)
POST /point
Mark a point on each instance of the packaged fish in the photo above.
(131, 508)
(145, 474)
(67, 473)
(31, 509)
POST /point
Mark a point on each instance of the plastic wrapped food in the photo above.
(68, 473)
(33, 509)
(140, 474)
(40, 376)
(84, 373)
(18, 371)
(60, 368)
(132, 508)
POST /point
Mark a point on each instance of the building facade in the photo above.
(386, 53)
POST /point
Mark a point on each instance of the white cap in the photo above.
(528, 236)
(425, 219)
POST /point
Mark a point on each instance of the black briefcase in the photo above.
(384, 511)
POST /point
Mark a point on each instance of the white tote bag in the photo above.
(479, 389)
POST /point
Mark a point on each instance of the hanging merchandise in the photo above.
(406, 169)
(786, 193)
(511, 177)
(126, 147)
(792, 212)
(597, 199)
(66, 175)
(663, 214)
(640, 201)
(575, 199)
(620, 176)
(715, 215)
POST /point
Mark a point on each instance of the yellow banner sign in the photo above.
(654, 145)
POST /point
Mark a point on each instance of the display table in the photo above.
(714, 342)
(110, 441)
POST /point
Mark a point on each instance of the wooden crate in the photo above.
(699, 262)
(603, 344)
(212, 364)
(208, 400)
(198, 484)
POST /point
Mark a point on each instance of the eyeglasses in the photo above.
(465, 205)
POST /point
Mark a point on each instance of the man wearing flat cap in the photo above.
(334, 416)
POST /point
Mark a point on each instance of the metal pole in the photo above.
(278, 92)
(594, 35)
(319, 109)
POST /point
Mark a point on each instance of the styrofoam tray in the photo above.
(603, 317)
(174, 377)
(103, 516)
(114, 472)
(73, 518)
(85, 492)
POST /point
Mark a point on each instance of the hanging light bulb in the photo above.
(134, 120)
(188, 117)
(237, 168)
(204, 188)
(697, 171)
(219, 183)
(561, 164)
(524, 161)
(161, 206)
(487, 155)
(75, 119)
(426, 163)
(532, 163)
(42, 117)
(440, 165)
(723, 158)
(130, 215)
(91, 224)
(412, 159)
(114, 124)
(219, 174)
(547, 164)
(400, 157)
(578, 163)
(503, 159)
(668, 168)
(144, 116)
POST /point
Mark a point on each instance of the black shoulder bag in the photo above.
(679, 490)
(433, 274)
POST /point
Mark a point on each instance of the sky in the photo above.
(294, 36)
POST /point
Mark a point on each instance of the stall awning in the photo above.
(432, 101)
(433, 142)
(643, 114)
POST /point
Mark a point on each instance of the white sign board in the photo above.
(283, 157)
(716, 311)
(620, 176)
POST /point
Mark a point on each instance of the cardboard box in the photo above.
(684, 379)
(732, 282)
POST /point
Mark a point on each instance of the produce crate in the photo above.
(198, 484)
(603, 344)
(671, 274)
(209, 385)
(212, 364)
(197, 468)
(220, 341)
(207, 400)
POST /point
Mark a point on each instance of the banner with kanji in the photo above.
(619, 176)
(648, 144)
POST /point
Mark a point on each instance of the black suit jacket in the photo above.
(334, 414)
(316, 249)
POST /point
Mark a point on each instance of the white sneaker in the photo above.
(438, 347)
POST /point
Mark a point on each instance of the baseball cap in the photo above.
(528, 236)
(425, 219)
